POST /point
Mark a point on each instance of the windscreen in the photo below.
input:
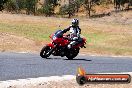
(58, 34)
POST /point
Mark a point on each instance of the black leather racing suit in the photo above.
(74, 34)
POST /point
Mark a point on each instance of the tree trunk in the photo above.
(88, 7)
(17, 6)
(35, 9)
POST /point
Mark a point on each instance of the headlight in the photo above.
(54, 38)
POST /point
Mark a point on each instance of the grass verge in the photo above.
(103, 36)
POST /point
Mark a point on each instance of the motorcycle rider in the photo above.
(75, 32)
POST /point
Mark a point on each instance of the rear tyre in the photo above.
(44, 52)
(72, 53)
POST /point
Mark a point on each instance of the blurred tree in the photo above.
(48, 7)
(71, 8)
(88, 4)
(67, 10)
(11, 6)
(78, 4)
(31, 6)
(48, 10)
(2, 2)
(17, 5)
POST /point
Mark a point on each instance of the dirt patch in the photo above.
(11, 42)
(73, 84)
(57, 82)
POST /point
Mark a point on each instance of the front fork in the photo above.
(50, 52)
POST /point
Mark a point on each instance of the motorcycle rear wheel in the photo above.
(72, 53)
(44, 52)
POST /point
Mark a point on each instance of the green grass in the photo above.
(31, 31)
(99, 39)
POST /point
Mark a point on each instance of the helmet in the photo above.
(75, 22)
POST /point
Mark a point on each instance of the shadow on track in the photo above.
(52, 58)
(67, 59)
(79, 59)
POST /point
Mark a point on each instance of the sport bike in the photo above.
(58, 46)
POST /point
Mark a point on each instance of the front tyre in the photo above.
(72, 53)
(45, 52)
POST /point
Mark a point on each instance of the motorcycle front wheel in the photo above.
(44, 53)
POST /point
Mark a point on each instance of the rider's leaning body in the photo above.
(75, 32)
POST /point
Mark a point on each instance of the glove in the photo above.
(68, 35)
(70, 39)
(66, 38)
(75, 38)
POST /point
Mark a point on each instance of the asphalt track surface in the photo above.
(24, 65)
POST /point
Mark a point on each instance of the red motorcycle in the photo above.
(58, 46)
